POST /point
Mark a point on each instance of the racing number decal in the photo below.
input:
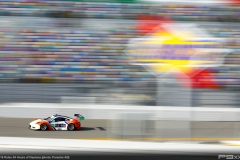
(60, 125)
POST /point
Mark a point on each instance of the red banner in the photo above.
(202, 79)
(146, 23)
(233, 2)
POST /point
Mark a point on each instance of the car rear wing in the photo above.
(79, 116)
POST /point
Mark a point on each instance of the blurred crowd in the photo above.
(73, 9)
(70, 56)
(53, 54)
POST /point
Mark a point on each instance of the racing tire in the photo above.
(71, 127)
(43, 127)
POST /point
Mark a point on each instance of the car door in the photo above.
(59, 123)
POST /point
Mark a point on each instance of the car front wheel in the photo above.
(43, 127)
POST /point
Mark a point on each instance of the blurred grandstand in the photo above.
(56, 49)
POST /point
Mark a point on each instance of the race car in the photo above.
(57, 122)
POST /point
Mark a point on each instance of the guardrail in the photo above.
(32, 110)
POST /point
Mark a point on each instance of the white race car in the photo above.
(57, 122)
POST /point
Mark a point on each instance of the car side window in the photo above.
(59, 119)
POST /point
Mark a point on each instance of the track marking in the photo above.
(101, 128)
(103, 139)
(230, 144)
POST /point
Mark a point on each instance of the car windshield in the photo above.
(48, 119)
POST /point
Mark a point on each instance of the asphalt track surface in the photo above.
(99, 130)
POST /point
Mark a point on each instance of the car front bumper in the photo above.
(34, 127)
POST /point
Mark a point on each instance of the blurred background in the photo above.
(73, 51)
(70, 52)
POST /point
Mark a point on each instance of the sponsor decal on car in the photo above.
(60, 125)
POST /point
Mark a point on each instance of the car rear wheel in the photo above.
(43, 127)
(71, 127)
